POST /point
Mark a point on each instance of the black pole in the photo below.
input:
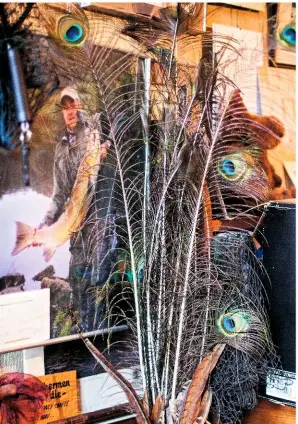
(22, 108)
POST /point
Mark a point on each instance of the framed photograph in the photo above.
(67, 231)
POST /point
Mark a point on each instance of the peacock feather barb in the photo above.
(189, 189)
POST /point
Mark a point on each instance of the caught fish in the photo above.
(75, 210)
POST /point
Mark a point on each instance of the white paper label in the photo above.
(282, 385)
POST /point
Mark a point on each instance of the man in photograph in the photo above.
(91, 248)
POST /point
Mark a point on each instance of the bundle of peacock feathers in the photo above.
(189, 191)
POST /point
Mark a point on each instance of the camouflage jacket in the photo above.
(96, 234)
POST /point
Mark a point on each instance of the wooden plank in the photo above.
(260, 7)
(278, 97)
(278, 89)
(121, 412)
(239, 18)
(269, 413)
(284, 14)
(266, 413)
(146, 9)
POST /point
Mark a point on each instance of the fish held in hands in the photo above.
(75, 209)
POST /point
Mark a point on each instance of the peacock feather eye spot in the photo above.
(234, 323)
(288, 34)
(233, 167)
(71, 31)
(228, 167)
(229, 324)
(74, 33)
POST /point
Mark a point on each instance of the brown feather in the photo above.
(204, 407)
(157, 409)
(132, 397)
(198, 384)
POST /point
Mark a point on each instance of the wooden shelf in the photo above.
(265, 413)
(271, 413)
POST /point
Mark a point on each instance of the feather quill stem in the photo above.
(125, 385)
(167, 360)
(208, 233)
(146, 196)
(132, 258)
(183, 124)
(163, 250)
(190, 250)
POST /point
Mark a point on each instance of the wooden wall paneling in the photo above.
(239, 18)
(277, 85)
(271, 413)
(260, 7)
(147, 9)
(278, 98)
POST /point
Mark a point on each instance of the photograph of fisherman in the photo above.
(91, 247)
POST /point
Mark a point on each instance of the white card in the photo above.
(24, 318)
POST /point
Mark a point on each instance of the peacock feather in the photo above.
(188, 186)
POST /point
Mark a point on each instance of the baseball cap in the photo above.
(69, 92)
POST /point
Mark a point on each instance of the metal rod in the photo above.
(65, 339)
(21, 104)
(18, 85)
